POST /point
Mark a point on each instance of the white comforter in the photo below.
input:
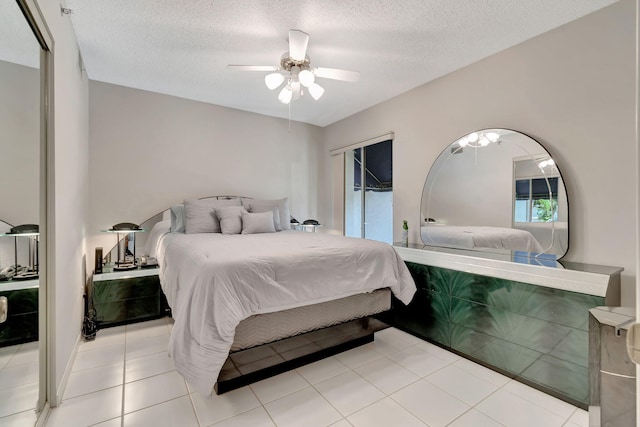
(469, 237)
(213, 281)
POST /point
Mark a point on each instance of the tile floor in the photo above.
(19, 384)
(125, 378)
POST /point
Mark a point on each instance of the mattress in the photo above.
(263, 328)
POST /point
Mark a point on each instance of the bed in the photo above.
(235, 294)
(472, 237)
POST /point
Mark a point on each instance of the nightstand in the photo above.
(123, 297)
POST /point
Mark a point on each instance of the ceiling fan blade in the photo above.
(298, 41)
(336, 74)
(253, 67)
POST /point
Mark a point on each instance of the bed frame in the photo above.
(248, 366)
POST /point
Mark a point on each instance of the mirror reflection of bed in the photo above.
(273, 298)
(496, 190)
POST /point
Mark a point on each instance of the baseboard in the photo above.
(67, 372)
(43, 416)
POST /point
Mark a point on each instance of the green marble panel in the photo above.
(521, 330)
(561, 376)
(499, 353)
(22, 318)
(451, 282)
(573, 348)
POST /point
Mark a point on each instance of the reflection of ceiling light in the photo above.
(543, 164)
(476, 139)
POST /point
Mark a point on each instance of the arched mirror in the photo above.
(24, 69)
(496, 190)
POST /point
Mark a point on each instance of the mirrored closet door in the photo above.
(22, 187)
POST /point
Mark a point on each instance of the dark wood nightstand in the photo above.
(128, 296)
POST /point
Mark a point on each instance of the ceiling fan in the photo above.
(296, 72)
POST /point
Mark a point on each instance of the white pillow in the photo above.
(230, 219)
(274, 210)
(259, 222)
(177, 218)
(257, 205)
(199, 215)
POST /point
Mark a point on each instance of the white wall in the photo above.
(571, 89)
(70, 188)
(149, 151)
(19, 143)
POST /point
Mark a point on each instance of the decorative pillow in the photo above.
(199, 215)
(255, 205)
(274, 210)
(259, 222)
(230, 219)
(177, 218)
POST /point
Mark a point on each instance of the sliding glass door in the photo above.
(368, 203)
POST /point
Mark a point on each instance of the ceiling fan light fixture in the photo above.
(306, 77)
(296, 89)
(316, 91)
(273, 80)
(285, 95)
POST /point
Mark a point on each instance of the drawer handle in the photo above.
(4, 309)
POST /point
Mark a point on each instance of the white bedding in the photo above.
(213, 281)
(471, 237)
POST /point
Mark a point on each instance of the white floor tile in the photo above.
(349, 392)
(21, 419)
(580, 417)
(177, 412)
(438, 352)
(512, 410)
(322, 370)
(474, 418)
(153, 390)
(14, 375)
(142, 330)
(18, 399)
(387, 375)
(392, 340)
(6, 353)
(104, 356)
(104, 338)
(342, 423)
(418, 361)
(28, 353)
(281, 385)
(94, 379)
(384, 413)
(257, 417)
(481, 372)
(431, 404)
(114, 422)
(359, 356)
(220, 407)
(552, 404)
(304, 408)
(148, 366)
(468, 388)
(147, 346)
(87, 409)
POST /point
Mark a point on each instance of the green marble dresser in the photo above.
(22, 318)
(529, 322)
(127, 296)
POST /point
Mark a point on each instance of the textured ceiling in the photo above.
(182, 47)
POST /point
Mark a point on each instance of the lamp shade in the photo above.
(285, 95)
(306, 78)
(273, 80)
(316, 91)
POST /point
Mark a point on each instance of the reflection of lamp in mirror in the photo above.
(126, 258)
(32, 231)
